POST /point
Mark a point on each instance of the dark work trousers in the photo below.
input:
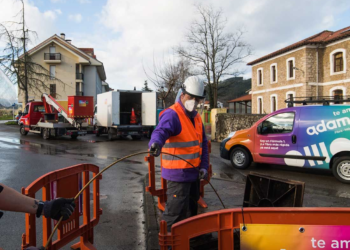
(181, 202)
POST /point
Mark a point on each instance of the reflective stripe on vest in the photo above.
(181, 144)
(187, 144)
(186, 157)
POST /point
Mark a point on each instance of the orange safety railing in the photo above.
(66, 183)
(161, 193)
(225, 221)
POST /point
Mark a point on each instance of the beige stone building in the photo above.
(79, 71)
(314, 67)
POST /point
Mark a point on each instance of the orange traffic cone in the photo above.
(133, 117)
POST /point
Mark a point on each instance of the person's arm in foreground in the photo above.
(11, 200)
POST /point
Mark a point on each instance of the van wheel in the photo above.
(341, 169)
(22, 130)
(240, 158)
(46, 134)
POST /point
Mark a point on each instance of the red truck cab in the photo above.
(31, 116)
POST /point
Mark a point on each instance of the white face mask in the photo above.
(190, 105)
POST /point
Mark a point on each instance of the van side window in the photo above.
(278, 124)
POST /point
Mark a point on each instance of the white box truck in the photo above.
(113, 113)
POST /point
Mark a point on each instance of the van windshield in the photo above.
(278, 124)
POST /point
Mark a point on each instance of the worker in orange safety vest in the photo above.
(181, 132)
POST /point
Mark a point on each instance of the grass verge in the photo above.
(11, 123)
(6, 117)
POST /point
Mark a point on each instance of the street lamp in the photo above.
(299, 69)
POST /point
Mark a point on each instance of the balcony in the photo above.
(79, 77)
(79, 93)
(52, 57)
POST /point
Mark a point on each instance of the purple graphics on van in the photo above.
(309, 136)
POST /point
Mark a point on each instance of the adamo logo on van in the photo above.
(330, 125)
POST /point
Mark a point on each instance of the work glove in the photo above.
(59, 207)
(35, 248)
(203, 173)
(155, 149)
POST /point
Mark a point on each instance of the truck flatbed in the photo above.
(57, 125)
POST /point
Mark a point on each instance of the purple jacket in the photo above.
(169, 125)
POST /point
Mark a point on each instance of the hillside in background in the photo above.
(233, 88)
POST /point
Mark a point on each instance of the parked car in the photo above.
(303, 136)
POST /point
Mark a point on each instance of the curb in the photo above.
(151, 222)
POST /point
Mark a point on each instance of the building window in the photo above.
(290, 68)
(273, 103)
(53, 90)
(249, 105)
(273, 69)
(259, 77)
(290, 72)
(338, 95)
(338, 61)
(290, 97)
(260, 105)
(52, 72)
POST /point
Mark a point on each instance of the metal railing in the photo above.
(52, 56)
(79, 76)
(325, 100)
(79, 93)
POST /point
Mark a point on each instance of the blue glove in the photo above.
(203, 173)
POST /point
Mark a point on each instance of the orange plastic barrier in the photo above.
(225, 221)
(66, 183)
(161, 193)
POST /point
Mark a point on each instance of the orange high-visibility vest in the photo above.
(187, 144)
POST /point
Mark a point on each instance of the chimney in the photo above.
(63, 36)
(69, 41)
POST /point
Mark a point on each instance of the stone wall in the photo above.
(226, 123)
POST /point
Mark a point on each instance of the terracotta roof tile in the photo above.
(242, 98)
(321, 38)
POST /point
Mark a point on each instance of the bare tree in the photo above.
(168, 77)
(214, 51)
(15, 61)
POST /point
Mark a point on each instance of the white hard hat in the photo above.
(194, 86)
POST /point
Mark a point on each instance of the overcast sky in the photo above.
(127, 34)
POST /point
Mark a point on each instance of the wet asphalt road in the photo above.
(25, 158)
